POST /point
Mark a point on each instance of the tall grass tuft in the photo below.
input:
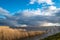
(7, 33)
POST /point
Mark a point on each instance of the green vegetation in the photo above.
(53, 37)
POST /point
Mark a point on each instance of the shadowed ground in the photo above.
(7, 33)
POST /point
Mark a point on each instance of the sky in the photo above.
(30, 12)
(15, 5)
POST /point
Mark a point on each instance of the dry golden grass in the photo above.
(7, 33)
(4, 26)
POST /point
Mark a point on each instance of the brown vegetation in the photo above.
(7, 33)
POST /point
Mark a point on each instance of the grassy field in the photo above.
(53, 37)
(7, 33)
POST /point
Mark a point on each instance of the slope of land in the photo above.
(53, 37)
(7, 33)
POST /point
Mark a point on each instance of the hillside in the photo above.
(53, 37)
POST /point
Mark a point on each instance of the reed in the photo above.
(7, 33)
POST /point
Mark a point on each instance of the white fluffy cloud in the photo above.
(52, 7)
(48, 17)
(38, 17)
(32, 12)
(3, 11)
(42, 1)
(50, 24)
(48, 12)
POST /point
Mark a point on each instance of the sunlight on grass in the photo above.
(7, 33)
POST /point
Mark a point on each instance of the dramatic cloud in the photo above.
(48, 17)
(49, 2)
(6, 18)
(38, 17)
(3, 11)
(32, 12)
(38, 11)
(50, 11)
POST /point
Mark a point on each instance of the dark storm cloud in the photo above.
(19, 19)
(37, 20)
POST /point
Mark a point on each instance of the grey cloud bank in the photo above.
(30, 18)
